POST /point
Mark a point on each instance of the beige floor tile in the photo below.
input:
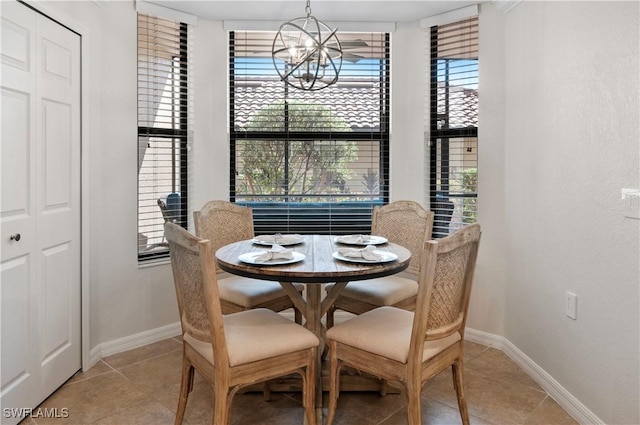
(550, 412)
(146, 352)
(151, 413)
(200, 404)
(93, 399)
(434, 413)
(472, 350)
(158, 373)
(365, 408)
(144, 390)
(97, 369)
(251, 409)
(501, 401)
(499, 365)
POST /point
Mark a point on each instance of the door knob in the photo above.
(15, 237)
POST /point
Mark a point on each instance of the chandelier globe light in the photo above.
(306, 53)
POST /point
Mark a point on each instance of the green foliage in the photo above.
(469, 185)
(315, 166)
(370, 181)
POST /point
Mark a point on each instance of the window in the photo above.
(162, 131)
(453, 125)
(310, 162)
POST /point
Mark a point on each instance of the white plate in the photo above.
(294, 240)
(385, 257)
(250, 258)
(367, 240)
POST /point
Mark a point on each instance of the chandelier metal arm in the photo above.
(310, 61)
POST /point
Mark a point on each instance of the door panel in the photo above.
(56, 333)
(19, 369)
(15, 278)
(16, 157)
(56, 139)
(16, 42)
(40, 160)
(58, 197)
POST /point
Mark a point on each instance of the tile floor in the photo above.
(141, 387)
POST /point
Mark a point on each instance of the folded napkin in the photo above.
(368, 253)
(355, 239)
(277, 238)
(277, 252)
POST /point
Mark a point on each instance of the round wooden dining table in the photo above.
(317, 267)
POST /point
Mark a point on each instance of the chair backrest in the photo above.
(196, 286)
(406, 223)
(164, 210)
(223, 222)
(170, 208)
(445, 281)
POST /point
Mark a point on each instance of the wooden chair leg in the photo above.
(309, 389)
(297, 316)
(334, 384)
(414, 408)
(329, 316)
(266, 391)
(457, 369)
(221, 401)
(186, 385)
(383, 387)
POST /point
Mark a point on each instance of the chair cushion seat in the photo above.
(386, 331)
(257, 334)
(388, 290)
(249, 292)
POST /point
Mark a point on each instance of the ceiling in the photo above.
(325, 10)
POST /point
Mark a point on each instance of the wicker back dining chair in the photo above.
(405, 223)
(222, 223)
(248, 347)
(413, 347)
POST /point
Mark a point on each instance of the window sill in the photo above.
(144, 264)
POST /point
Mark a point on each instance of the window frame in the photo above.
(264, 221)
(440, 144)
(179, 135)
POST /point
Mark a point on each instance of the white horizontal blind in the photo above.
(162, 130)
(453, 124)
(310, 162)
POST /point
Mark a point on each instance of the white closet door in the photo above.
(40, 208)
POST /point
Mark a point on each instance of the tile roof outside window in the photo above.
(351, 99)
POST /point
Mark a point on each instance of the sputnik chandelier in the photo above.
(307, 53)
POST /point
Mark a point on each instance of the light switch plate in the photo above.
(630, 199)
(571, 306)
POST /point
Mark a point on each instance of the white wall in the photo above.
(407, 171)
(487, 306)
(210, 153)
(558, 140)
(571, 142)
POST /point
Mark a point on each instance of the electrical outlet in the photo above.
(571, 305)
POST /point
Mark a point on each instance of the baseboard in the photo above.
(133, 341)
(564, 398)
(484, 338)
